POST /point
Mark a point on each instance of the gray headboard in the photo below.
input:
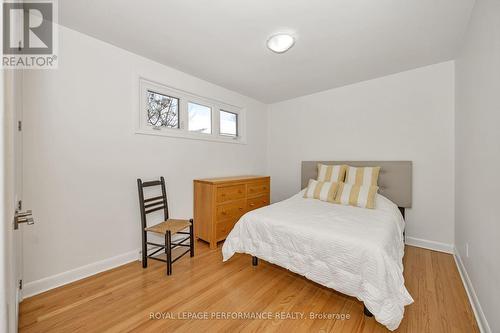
(394, 181)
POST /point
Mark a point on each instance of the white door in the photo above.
(10, 191)
(14, 216)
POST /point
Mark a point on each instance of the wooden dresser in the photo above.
(220, 202)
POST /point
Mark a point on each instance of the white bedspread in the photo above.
(355, 251)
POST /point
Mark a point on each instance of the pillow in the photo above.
(331, 173)
(356, 195)
(362, 176)
(324, 191)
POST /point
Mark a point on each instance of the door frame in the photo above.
(11, 180)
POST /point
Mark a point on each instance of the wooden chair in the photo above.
(167, 228)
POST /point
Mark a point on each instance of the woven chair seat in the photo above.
(173, 225)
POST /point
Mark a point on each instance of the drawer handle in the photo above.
(252, 204)
(263, 201)
(223, 194)
(224, 213)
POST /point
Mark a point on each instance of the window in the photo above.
(171, 112)
(162, 110)
(200, 118)
(228, 123)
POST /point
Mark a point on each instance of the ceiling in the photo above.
(338, 42)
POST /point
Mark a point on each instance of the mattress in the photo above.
(355, 251)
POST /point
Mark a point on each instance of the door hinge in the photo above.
(20, 205)
(19, 125)
(20, 284)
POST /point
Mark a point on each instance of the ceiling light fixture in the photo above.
(280, 43)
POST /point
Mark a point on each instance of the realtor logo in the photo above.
(29, 34)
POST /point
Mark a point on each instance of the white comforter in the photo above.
(355, 251)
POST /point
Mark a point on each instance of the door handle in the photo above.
(23, 217)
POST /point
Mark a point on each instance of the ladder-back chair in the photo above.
(167, 228)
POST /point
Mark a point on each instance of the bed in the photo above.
(355, 251)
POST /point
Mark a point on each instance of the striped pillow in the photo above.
(331, 173)
(324, 191)
(362, 176)
(356, 195)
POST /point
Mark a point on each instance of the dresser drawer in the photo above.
(257, 202)
(258, 188)
(223, 228)
(227, 193)
(232, 209)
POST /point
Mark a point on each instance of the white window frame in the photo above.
(184, 97)
(211, 115)
(237, 124)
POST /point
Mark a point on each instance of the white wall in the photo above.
(82, 158)
(478, 156)
(406, 116)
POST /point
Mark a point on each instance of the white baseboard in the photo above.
(484, 327)
(39, 286)
(431, 245)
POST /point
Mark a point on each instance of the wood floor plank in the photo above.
(123, 299)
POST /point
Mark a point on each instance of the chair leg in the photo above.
(144, 249)
(191, 240)
(168, 252)
(255, 261)
(367, 312)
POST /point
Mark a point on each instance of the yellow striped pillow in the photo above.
(331, 173)
(362, 176)
(324, 191)
(356, 195)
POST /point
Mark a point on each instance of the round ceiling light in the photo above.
(280, 43)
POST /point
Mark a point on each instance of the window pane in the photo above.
(200, 118)
(163, 110)
(228, 123)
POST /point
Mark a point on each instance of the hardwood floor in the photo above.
(124, 299)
